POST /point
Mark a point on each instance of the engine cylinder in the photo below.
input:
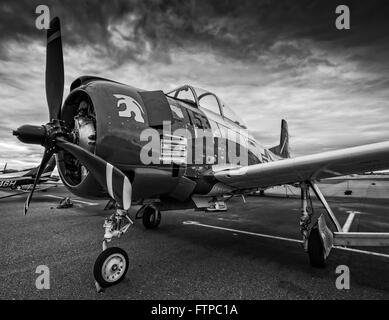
(79, 115)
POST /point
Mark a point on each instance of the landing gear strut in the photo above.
(112, 264)
(318, 238)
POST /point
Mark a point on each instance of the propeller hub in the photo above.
(31, 134)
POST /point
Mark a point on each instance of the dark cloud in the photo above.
(268, 59)
(241, 29)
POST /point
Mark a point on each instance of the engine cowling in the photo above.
(107, 119)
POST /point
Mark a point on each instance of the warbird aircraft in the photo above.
(5, 170)
(101, 136)
(19, 181)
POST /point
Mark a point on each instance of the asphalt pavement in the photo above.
(249, 252)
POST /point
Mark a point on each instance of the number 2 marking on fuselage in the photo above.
(131, 107)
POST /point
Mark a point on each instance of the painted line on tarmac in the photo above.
(349, 221)
(241, 231)
(84, 202)
(195, 223)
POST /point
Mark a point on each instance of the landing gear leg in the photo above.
(306, 215)
(318, 239)
(112, 264)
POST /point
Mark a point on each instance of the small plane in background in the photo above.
(98, 137)
(17, 182)
(5, 170)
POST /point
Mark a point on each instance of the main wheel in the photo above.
(151, 217)
(316, 249)
(110, 267)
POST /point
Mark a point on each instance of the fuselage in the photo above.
(20, 179)
(164, 142)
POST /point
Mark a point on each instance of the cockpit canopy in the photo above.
(200, 98)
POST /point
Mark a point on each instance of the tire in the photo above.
(104, 269)
(316, 249)
(151, 217)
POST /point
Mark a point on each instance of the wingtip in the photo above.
(55, 23)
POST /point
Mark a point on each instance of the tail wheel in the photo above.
(111, 267)
(316, 249)
(151, 217)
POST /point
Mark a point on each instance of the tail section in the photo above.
(282, 149)
(4, 169)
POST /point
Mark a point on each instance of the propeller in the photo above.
(46, 157)
(54, 136)
(54, 69)
(110, 177)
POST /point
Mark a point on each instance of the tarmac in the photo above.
(252, 251)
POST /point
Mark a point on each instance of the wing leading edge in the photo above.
(342, 162)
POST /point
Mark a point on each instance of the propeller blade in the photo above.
(46, 157)
(54, 69)
(111, 178)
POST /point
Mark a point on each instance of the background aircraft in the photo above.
(21, 181)
(6, 170)
(98, 136)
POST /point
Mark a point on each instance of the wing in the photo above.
(342, 162)
(11, 193)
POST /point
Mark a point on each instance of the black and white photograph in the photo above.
(205, 151)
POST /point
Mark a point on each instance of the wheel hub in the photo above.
(114, 267)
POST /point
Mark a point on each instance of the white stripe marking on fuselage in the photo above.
(127, 193)
(108, 177)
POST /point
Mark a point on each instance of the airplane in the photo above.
(114, 141)
(5, 170)
(19, 181)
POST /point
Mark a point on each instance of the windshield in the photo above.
(183, 93)
(207, 100)
(231, 115)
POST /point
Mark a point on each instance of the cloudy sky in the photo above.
(267, 59)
